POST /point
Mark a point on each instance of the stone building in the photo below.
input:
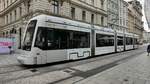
(113, 14)
(147, 11)
(123, 15)
(135, 23)
(146, 37)
(117, 15)
(14, 14)
(131, 23)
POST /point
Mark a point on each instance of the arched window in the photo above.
(10, 32)
(15, 31)
(102, 21)
(3, 34)
(6, 33)
(55, 4)
(28, 6)
(102, 3)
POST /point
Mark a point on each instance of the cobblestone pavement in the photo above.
(135, 71)
(131, 67)
(9, 59)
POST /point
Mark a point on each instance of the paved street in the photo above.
(130, 67)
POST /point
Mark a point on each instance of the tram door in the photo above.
(56, 45)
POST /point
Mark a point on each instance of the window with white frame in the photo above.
(55, 4)
(84, 15)
(72, 12)
(92, 18)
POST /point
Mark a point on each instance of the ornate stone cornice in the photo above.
(137, 6)
(23, 18)
(12, 6)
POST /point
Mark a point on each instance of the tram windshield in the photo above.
(29, 35)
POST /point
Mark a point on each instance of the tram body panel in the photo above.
(78, 53)
(104, 50)
(56, 55)
(129, 47)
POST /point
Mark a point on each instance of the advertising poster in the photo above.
(6, 45)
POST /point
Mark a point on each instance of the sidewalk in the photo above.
(8, 59)
(135, 71)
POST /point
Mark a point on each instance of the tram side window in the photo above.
(66, 39)
(120, 40)
(79, 39)
(56, 39)
(40, 39)
(129, 41)
(50, 39)
(135, 41)
(60, 39)
(104, 40)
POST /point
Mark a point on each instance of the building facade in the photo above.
(131, 23)
(14, 14)
(135, 23)
(146, 37)
(123, 15)
(117, 15)
(113, 14)
(147, 11)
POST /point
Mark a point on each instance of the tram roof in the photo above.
(48, 18)
(54, 19)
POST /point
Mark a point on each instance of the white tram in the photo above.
(50, 39)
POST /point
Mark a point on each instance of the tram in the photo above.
(50, 39)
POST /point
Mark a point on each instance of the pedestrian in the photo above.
(148, 49)
(10, 48)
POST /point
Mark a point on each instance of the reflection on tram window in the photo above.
(40, 39)
(119, 40)
(79, 39)
(136, 41)
(29, 35)
(62, 39)
(104, 40)
(129, 41)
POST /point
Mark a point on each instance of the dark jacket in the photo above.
(148, 48)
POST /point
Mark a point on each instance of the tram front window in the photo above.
(29, 35)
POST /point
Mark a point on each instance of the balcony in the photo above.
(10, 7)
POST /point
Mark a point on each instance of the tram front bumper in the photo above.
(26, 60)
